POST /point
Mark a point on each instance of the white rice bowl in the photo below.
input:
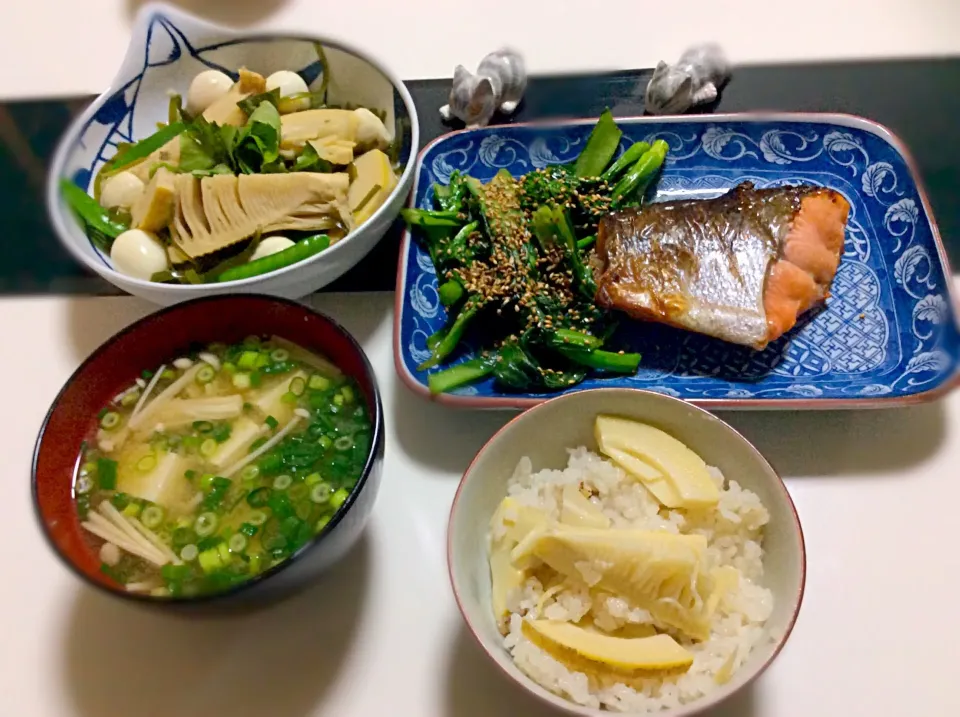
(734, 533)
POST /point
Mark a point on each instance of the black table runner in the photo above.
(919, 100)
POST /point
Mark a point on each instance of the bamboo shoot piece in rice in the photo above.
(578, 510)
(592, 652)
(677, 476)
(510, 524)
(658, 571)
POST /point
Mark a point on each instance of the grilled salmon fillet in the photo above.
(742, 267)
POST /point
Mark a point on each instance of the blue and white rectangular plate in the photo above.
(887, 336)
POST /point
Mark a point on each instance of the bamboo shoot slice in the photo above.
(588, 651)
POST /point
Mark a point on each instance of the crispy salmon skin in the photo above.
(741, 267)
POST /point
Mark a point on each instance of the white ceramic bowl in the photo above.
(167, 49)
(544, 433)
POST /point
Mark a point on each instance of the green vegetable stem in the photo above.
(634, 152)
(636, 180)
(461, 374)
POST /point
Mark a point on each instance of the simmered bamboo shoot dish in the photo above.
(250, 176)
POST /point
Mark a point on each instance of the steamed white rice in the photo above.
(734, 534)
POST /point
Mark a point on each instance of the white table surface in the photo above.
(423, 38)
(381, 635)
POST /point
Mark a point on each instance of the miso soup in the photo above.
(219, 465)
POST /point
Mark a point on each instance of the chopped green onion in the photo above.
(205, 374)
(255, 378)
(248, 360)
(338, 498)
(312, 479)
(208, 448)
(132, 510)
(152, 516)
(189, 552)
(241, 381)
(147, 463)
(347, 393)
(321, 493)
(205, 524)
(249, 472)
(248, 529)
(107, 473)
(282, 482)
(289, 397)
(210, 560)
(237, 543)
(129, 398)
(325, 441)
(297, 386)
(110, 420)
(338, 399)
(202, 426)
(258, 498)
(83, 485)
(190, 443)
(270, 463)
(224, 550)
(182, 534)
(88, 467)
(206, 481)
(120, 500)
(322, 523)
(168, 375)
(257, 517)
(255, 563)
(279, 355)
(229, 367)
(318, 382)
(221, 432)
(343, 443)
(272, 422)
(220, 483)
(174, 573)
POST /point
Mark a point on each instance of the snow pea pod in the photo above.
(89, 210)
(297, 253)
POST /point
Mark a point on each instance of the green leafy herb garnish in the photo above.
(258, 142)
(250, 104)
(309, 161)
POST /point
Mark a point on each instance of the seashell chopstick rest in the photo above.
(498, 84)
(697, 78)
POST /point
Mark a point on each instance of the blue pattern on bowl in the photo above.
(889, 330)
